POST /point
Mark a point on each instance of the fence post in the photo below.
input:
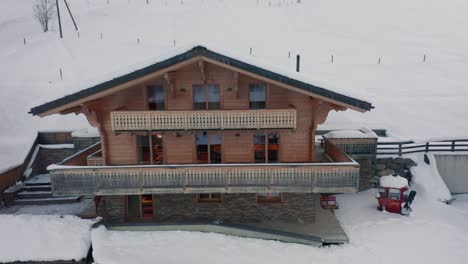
(427, 147)
(453, 145)
(399, 149)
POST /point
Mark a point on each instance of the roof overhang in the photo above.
(196, 54)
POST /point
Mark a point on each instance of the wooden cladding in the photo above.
(203, 120)
(96, 159)
(213, 178)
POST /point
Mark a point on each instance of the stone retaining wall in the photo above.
(389, 166)
(235, 208)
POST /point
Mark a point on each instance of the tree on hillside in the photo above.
(44, 12)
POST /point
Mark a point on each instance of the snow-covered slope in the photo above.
(413, 99)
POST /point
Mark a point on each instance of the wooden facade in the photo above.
(201, 124)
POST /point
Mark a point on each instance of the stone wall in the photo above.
(389, 166)
(235, 208)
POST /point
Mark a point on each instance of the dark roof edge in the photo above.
(194, 52)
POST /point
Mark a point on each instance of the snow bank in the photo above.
(43, 237)
(427, 178)
(393, 181)
(362, 133)
(86, 133)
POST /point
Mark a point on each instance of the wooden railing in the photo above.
(408, 147)
(96, 159)
(204, 120)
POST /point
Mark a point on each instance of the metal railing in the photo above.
(341, 175)
(204, 120)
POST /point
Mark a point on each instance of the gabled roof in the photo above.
(200, 51)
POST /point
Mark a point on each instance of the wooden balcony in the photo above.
(203, 120)
(341, 175)
(96, 159)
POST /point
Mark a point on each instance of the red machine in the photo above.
(395, 195)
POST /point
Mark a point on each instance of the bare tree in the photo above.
(44, 12)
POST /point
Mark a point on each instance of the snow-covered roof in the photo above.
(362, 133)
(391, 181)
(294, 80)
(85, 133)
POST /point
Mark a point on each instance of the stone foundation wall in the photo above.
(235, 208)
(389, 166)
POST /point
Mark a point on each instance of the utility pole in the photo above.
(58, 16)
(71, 15)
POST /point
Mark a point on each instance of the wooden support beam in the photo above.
(202, 67)
(236, 83)
(169, 77)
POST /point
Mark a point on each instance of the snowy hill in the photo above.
(413, 99)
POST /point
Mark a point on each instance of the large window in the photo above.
(140, 206)
(208, 148)
(271, 197)
(206, 97)
(150, 149)
(155, 97)
(257, 96)
(266, 148)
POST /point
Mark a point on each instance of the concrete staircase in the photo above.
(38, 191)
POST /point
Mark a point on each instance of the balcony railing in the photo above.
(96, 159)
(204, 120)
(340, 175)
(232, 178)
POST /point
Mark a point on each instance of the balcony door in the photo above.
(208, 148)
(140, 206)
(266, 148)
(150, 149)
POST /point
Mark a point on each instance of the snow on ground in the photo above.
(83, 206)
(43, 237)
(434, 233)
(414, 100)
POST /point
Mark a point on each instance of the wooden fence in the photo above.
(408, 147)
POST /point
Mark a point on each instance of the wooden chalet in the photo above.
(204, 136)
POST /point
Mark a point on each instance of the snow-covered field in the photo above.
(43, 237)
(434, 233)
(413, 99)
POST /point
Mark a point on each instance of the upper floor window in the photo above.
(257, 96)
(206, 97)
(150, 149)
(266, 148)
(208, 147)
(155, 97)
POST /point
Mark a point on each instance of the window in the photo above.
(206, 97)
(271, 197)
(155, 97)
(259, 148)
(144, 150)
(140, 206)
(210, 198)
(266, 148)
(257, 96)
(150, 149)
(208, 148)
(394, 194)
